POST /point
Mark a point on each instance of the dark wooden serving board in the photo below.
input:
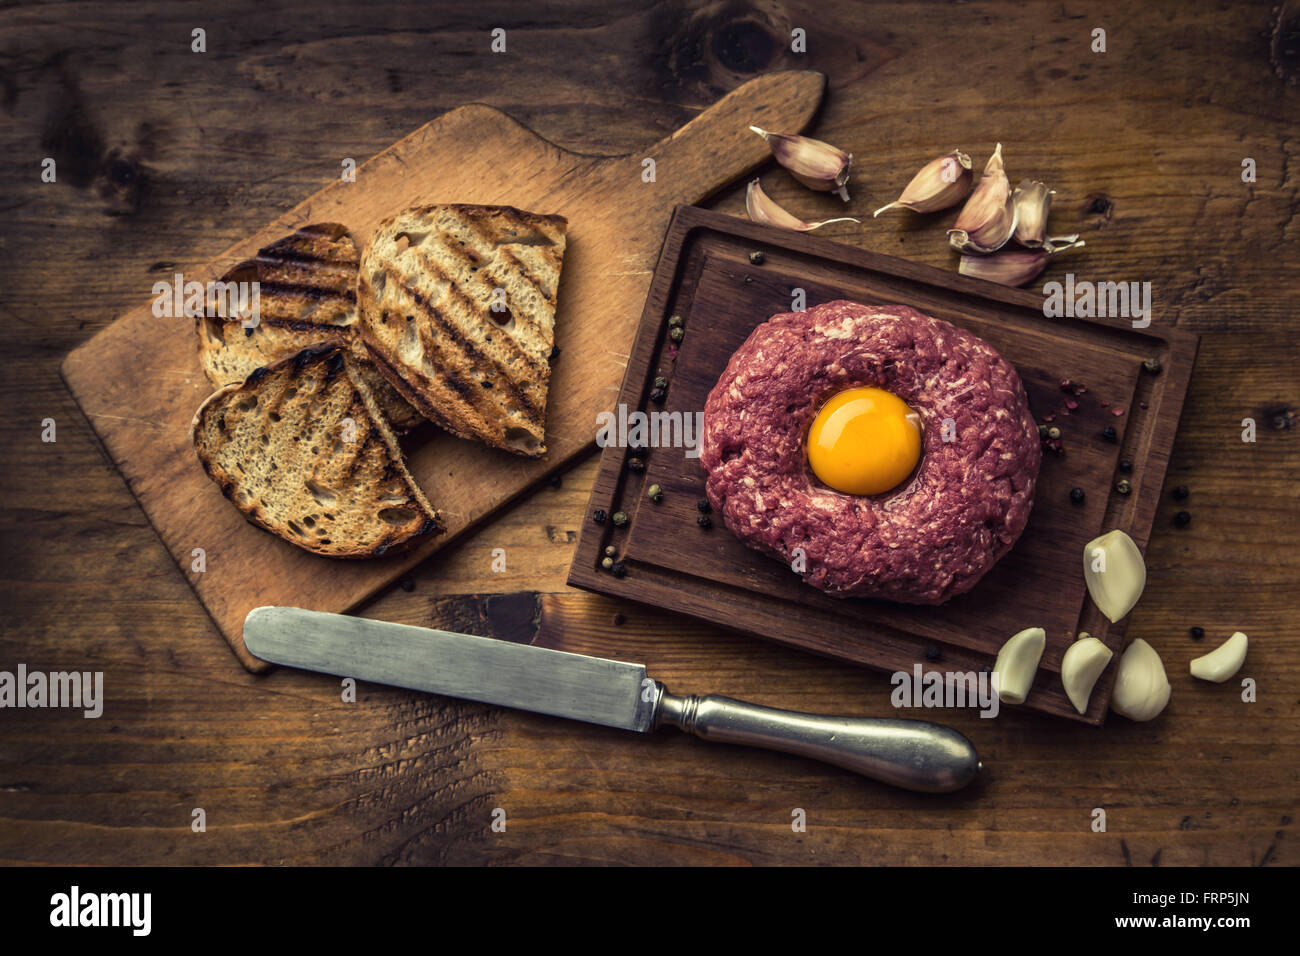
(139, 381)
(706, 276)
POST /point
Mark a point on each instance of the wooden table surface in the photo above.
(166, 156)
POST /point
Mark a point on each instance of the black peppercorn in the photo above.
(1198, 633)
(1126, 466)
(704, 521)
(1181, 493)
(1076, 495)
(554, 480)
(932, 654)
(407, 583)
(619, 519)
(618, 569)
(635, 464)
(618, 619)
(1042, 432)
(599, 516)
(1109, 433)
(704, 506)
(756, 258)
(657, 395)
(1183, 519)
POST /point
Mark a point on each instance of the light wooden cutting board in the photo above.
(139, 382)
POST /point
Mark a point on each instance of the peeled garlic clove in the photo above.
(1082, 664)
(767, 213)
(1017, 663)
(1222, 662)
(1033, 201)
(941, 183)
(988, 219)
(1115, 573)
(817, 165)
(1141, 687)
(1016, 266)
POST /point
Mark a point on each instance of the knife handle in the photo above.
(912, 754)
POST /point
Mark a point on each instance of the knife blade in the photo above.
(913, 754)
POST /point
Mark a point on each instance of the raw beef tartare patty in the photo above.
(925, 541)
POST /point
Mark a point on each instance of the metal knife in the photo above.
(913, 754)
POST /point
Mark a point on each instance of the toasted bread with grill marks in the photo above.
(307, 299)
(471, 358)
(302, 450)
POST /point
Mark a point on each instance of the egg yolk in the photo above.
(864, 441)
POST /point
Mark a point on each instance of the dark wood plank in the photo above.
(705, 276)
(167, 157)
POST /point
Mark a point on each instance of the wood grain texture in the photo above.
(139, 381)
(706, 278)
(166, 157)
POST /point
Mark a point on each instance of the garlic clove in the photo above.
(817, 165)
(942, 182)
(1222, 662)
(1082, 664)
(988, 220)
(765, 212)
(1016, 266)
(1115, 573)
(1141, 687)
(1017, 663)
(1033, 201)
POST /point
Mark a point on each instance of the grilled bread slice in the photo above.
(457, 307)
(306, 299)
(302, 450)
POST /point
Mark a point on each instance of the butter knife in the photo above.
(912, 754)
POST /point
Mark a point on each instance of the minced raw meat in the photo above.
(922, 543)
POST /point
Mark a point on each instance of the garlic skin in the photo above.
(1017, 663)
(817, 165)
(1033, 201)
(765, 212)
(942, 182)
(988, 220)
(1222, 662)
(1115, 573)
(1016, 266)
(1082, 664)
(1141, 687)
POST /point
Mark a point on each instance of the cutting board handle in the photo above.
(717, 147)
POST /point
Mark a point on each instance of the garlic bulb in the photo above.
(988, 219)
(942, 182)
(1141, 687)
(1016, 266)
(764, 211)
(1082, 664)
(1222, 662)
(1017, 663)
(1033, 201)
(817, 165)
(1114, 572)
